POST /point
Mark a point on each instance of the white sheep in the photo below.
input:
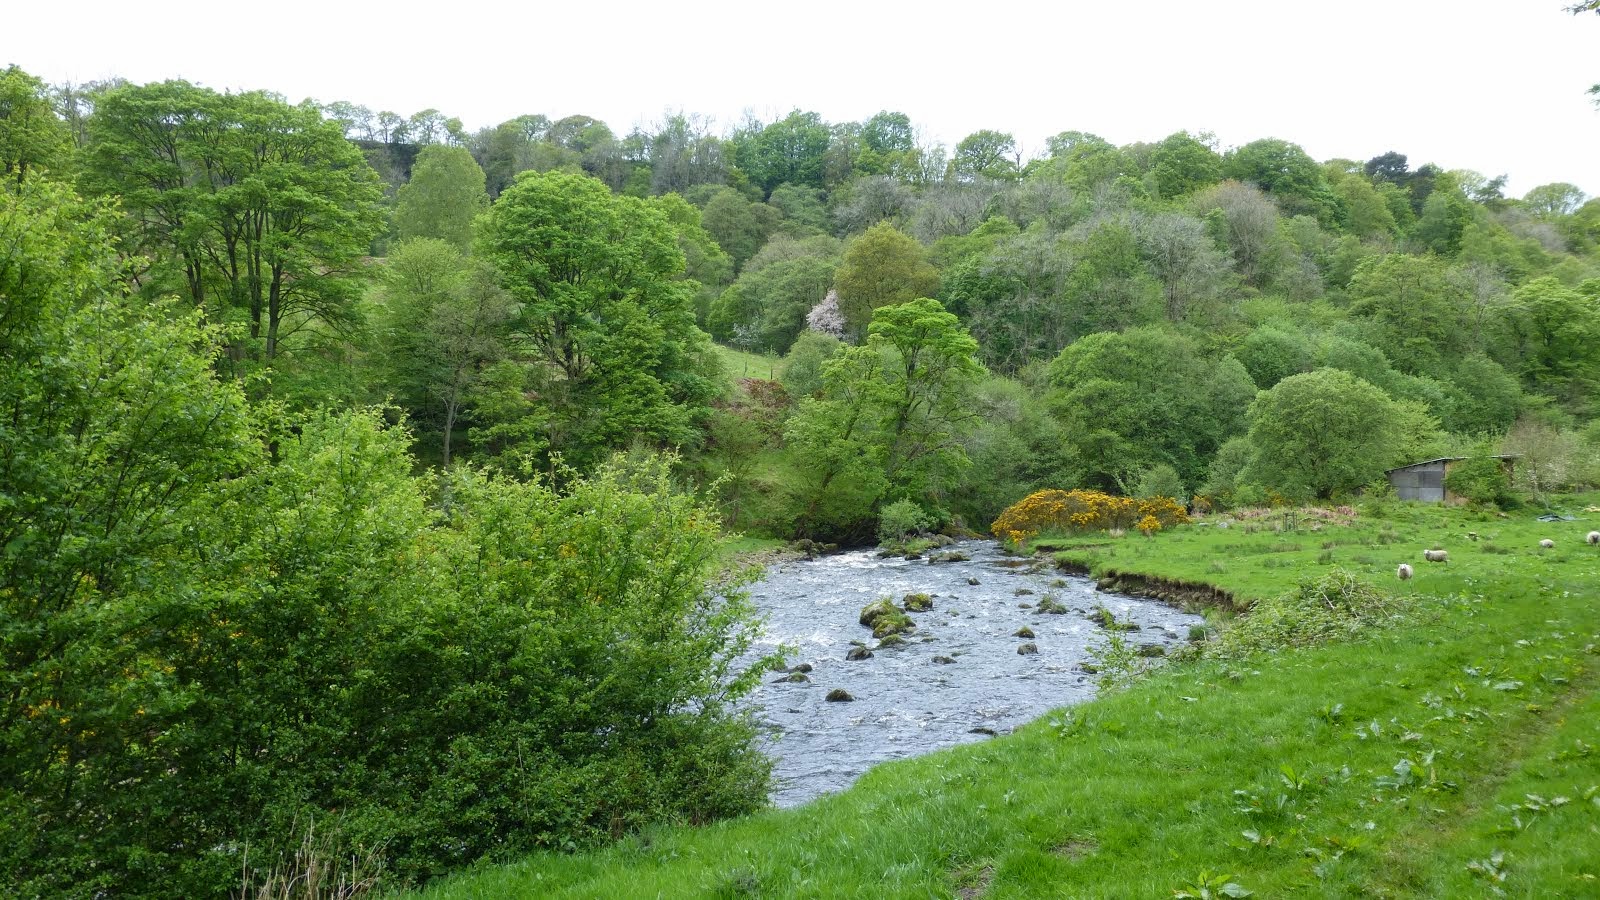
(1436, 555)
(1547, 544)
(1592, 538)
(1404, 572)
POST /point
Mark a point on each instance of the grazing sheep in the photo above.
(1593, 538)
(1436, 555)
(1404, 572)
(1547, 544)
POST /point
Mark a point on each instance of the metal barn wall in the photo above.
(1423, 482)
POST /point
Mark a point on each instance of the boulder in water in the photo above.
(917, 602)
(1028, 649)
(943, 660)
(857, 653)
(981, 729)
(1023, 632)
(794, 678)
(973, 581)
(839, 695)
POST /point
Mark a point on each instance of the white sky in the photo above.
(1498, 87)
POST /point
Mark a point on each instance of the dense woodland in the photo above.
(360, 469)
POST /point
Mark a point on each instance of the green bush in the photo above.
(901, 519)
(1161, 480)
(1480, 479)
(1331, 607)
(220, 623)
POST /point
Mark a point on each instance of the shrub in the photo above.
(1331, 607)
(1480, 479)
(900, 519)
(1161, 480)
(1079, 510)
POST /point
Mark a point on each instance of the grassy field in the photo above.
(739, 364)
(1454, 755)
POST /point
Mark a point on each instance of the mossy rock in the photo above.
(943, 660)
(794, 678)
(877, 609)
(894, 626)
(839, 695)
(1051, 605)
(1028, 649)
(891, 640)
(1151, 650)
(917, 602)
(857, 653)
(1023, 632)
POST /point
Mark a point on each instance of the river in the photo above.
(905, 702)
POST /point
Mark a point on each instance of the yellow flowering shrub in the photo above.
(1081, 510)
(1149, 525)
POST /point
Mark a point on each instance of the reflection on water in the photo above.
(905, 703)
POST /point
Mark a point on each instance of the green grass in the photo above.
(741, 545)
(1396, 766)
(739, 364)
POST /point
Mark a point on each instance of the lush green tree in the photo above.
(802, 207)
(705, 262)
(1444, 219)
(1285, 172)
(1182, 164)
(1321, 433)
(890, 419)
(776, 290)
(1422, 312)
(790, 150)
(262, 211)
(602, 311)
(1110, 287)
(1013, 299)
(1273, 352)
(445, 194)
(1390, 167)
(1087, 162)
(32, 138)
(443, 327)
(985, 154)
(1550, 334)
(1362, 209)
(115, 430)
(1553, 200)
(1146, 396)
(802, 365)
(882, 267)
(740, 226)
(1016, 448)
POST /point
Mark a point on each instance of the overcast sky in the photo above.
(1498, 87)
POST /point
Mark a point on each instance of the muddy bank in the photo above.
(1182, 594)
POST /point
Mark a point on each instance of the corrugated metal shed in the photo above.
(1424, 480)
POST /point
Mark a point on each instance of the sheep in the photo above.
(1404, 572)
(1436, 555)
(1547, 544)
(1592, 538)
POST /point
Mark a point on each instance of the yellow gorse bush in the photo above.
(1080, 510)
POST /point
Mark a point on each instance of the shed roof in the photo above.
(1428, 462)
